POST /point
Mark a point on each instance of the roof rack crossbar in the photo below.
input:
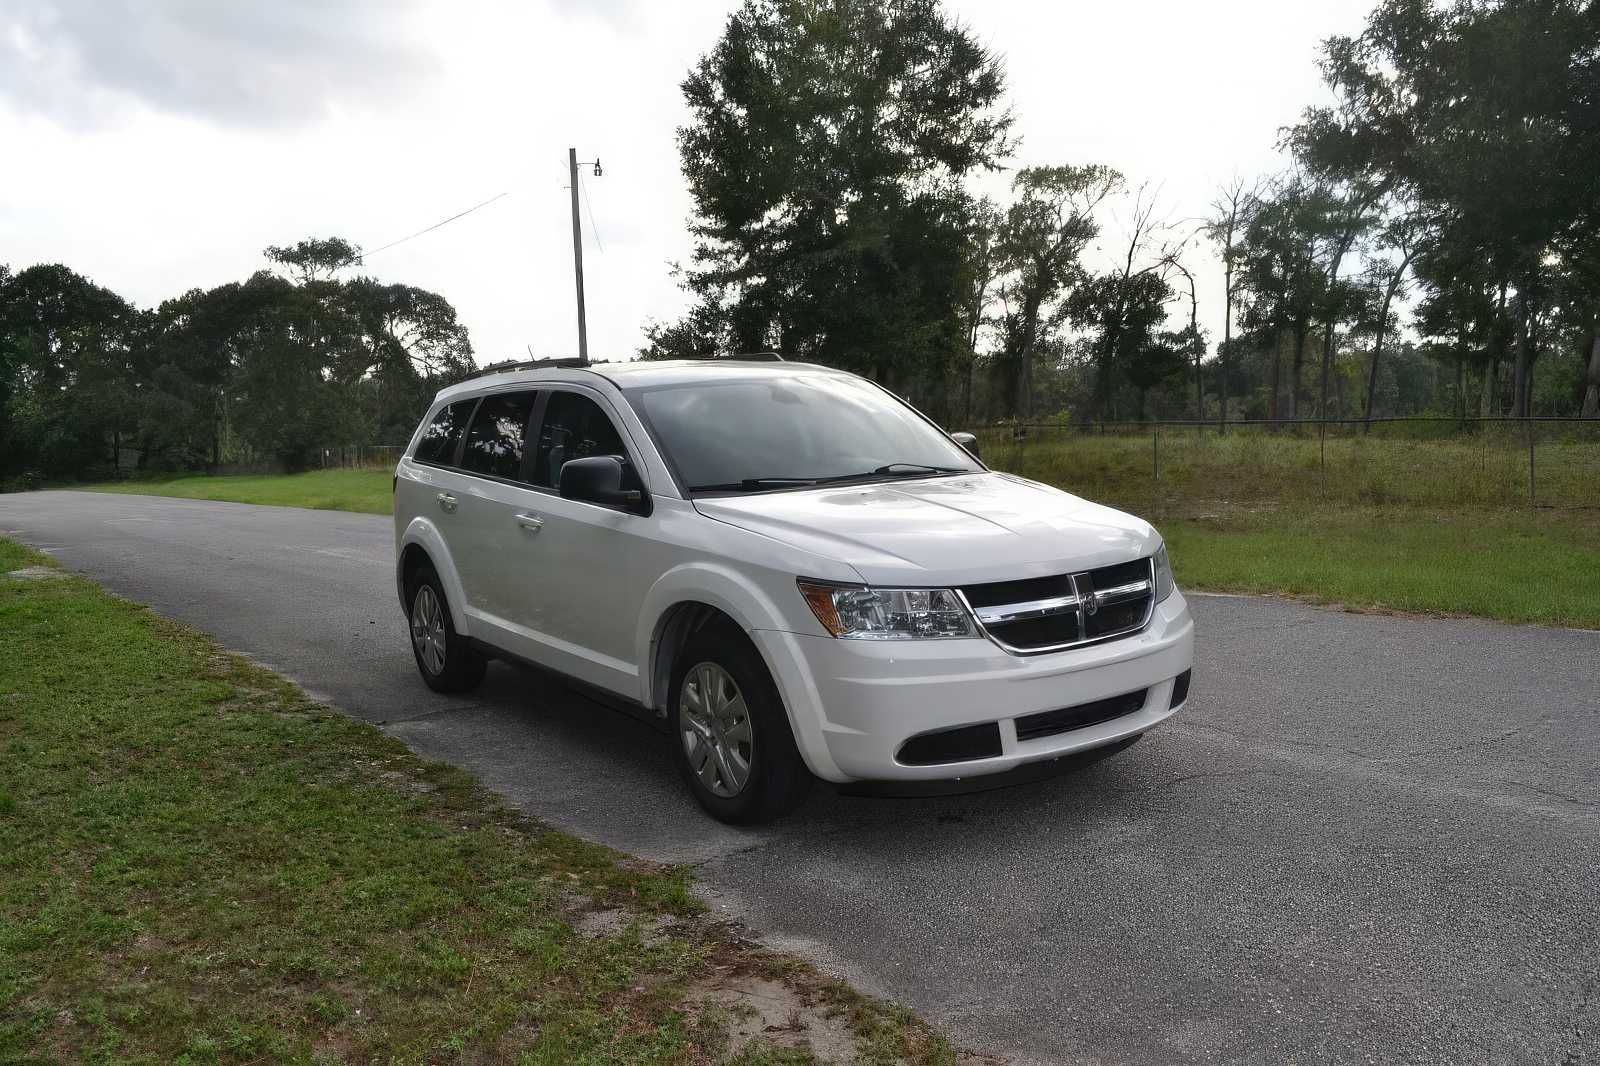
(524, 364)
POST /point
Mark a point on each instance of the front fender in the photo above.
(749, 605)
(425, 535)
(701, 582)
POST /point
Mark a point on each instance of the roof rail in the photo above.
(760, 357)
(524, 364)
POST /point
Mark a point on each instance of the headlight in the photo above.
(1165, 586)
(887, 614)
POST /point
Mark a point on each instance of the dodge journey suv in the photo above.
(794, 570)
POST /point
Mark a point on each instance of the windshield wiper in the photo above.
(759, 484)
(916, 469)
(894, 470)
(756, 484)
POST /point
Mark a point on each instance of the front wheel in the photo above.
(445, 660)
(731, 737)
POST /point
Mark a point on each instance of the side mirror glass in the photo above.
(598, 479)
(967, 441)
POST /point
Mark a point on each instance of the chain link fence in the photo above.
(1527, 462)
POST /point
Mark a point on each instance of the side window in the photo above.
(494, 443)
(574, 427)
(438, 443)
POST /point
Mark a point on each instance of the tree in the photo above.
(1406, 235)
(1123, 310)
(64, 355)
(825, 154)
(1037, 249)
(315, 258)
(1282, 278)
(284, 401)
(1190, 342)
(1230, 217)
(1483, 112)
(409, 346)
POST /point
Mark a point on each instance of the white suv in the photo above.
(795, 570)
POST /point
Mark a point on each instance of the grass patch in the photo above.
(198, 864)
(1517, 567)
(1199, 467)
(367, 491)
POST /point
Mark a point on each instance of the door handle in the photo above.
(447, 503)
(530, 522)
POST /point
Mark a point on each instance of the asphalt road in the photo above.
(1367, 839)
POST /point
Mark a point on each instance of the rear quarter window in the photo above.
(439, 439)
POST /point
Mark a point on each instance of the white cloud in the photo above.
(231, 61)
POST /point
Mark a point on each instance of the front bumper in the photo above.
(854, 703)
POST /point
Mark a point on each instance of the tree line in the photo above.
(266, 370)
(834, 151)
(1433, 245)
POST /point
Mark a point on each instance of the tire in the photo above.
(446, 661)
(718, 673)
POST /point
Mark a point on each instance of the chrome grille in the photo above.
(1066, 610)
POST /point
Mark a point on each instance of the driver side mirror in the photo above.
(598, 479)
(967, 441)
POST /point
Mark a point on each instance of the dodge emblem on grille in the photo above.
(1088, 598)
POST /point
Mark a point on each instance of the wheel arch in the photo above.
(682, 602)
(421, 543)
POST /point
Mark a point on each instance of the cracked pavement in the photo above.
(1368, 838)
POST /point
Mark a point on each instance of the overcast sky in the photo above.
(159, 145)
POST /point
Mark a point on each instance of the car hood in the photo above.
(945, 530)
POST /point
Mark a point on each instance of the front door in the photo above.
(581, 595)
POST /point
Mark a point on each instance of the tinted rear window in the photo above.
(495, 442)
(438, 443)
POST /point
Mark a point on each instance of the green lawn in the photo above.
(200, 865)
(1187, 468)
(1518, 567)
(1432, 526)
(369, 491)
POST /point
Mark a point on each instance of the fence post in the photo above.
(1322, 456)
(1533, 502)
(1155, 453)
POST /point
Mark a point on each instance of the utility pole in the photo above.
(577, 252)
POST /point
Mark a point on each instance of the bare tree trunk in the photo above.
(1591, 395)
(1521, 373)
(1299, 363)
(1273, 383)
(1328, 338)
(1490, 406)
(1383, 328)
(1224, 354)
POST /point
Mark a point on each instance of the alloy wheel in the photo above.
(427, 629)
(716, 730)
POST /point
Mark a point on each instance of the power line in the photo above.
(444, 222)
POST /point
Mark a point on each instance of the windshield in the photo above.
(791, 430)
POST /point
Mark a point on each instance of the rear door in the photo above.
(489, 543)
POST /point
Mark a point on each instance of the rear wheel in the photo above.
(445, 660)
(731, 736)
